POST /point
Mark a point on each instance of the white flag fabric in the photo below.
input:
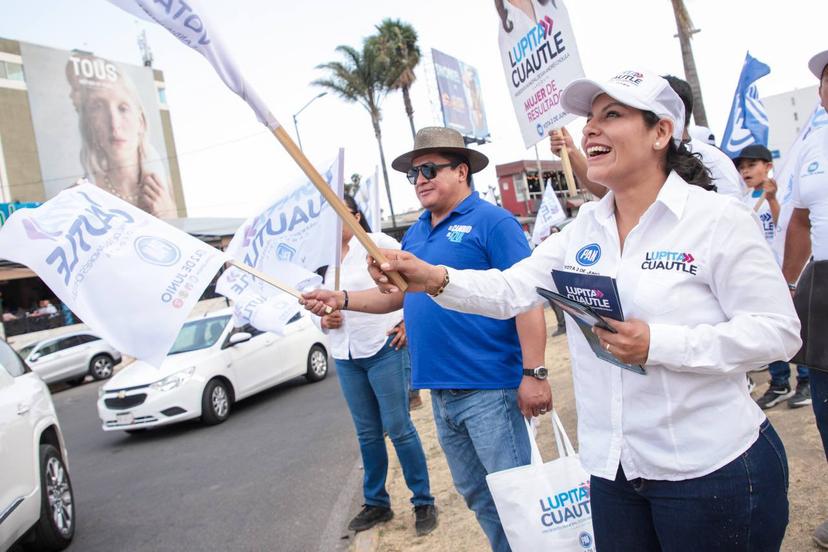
(550, 214)
(129, 276)
(289, 240)
(368, 200)
(540, 58)
(784, 175)
(189, 23)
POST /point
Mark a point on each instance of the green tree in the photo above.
(352, 187)
(396, 47)
(361, 78)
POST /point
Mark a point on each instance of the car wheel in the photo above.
(56, 526)
(101, 366)
(215, 403)
(317, 363)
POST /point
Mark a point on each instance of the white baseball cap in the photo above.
(818, 63)
(640, 89)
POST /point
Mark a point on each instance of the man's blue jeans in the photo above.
(481, 431)
(377, 396)
(780, 373)
(741, 507)
(819, 397)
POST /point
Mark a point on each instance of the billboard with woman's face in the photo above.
(98, 119)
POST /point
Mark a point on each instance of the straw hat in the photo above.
(440, 140)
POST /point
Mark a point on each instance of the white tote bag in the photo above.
(545, 507)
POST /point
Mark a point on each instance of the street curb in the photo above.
(367, 541)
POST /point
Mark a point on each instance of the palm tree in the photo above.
(685, 32)
(396, 46)
(361, 78)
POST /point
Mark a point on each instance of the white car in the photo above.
(36, 502)
(70, 357)
(211, 365)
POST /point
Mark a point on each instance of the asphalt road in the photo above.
(281, 473)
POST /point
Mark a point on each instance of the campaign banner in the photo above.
(131, 277)
(368, 200)
(99, 119)
(290, 240)
(748, 122)
(189, 23)
(461, 98)
(540, 58)
(549, 214)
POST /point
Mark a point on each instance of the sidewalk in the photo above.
(459, 532)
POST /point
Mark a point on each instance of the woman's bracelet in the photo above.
(345, 302)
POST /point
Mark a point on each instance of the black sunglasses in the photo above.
(429, 170)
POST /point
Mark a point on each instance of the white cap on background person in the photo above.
(702, 133)
(638, 88)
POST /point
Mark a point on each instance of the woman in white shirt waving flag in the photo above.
(372, 373)
(681, 458)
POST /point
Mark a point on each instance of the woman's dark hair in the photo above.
(351, 203)
(687, 165)
(504, 15)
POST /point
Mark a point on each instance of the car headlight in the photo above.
(174, 380)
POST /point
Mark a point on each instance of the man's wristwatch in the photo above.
(538, 373)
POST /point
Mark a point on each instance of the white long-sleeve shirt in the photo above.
(361, 335)
(705, 280)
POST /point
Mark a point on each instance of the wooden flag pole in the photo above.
(338, 205)
(759, 202)
(275, 282)
(567, 169)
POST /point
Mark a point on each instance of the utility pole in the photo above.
(146, 53)
(685, 32)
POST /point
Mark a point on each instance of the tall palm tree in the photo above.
(685, 32)
(396, 46)
(361, 78)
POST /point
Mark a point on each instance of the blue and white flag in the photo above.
(784, 175)
(289, 240)
(129, 276)
(748, 121)
(368, 200)
(550, 214)
(189, 23)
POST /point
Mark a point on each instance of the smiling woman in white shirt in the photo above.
(681, 458)
(371, 368)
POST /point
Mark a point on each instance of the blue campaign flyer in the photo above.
(599, 293)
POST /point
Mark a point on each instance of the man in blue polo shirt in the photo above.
(485, 375)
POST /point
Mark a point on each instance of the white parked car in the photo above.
(70, 357)
(211, 366)
(36, 501)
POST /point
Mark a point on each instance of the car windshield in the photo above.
(199, 334)
(24, 352)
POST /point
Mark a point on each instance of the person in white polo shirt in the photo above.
(723, 174)
(682, 458)
(807, 237)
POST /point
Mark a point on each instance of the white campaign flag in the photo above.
(550, 214)
(289, 240)
(540, 58)
(189, 23)
(368, 200)
(784, 176)
(129, 276)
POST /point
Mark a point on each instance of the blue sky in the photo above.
(231, 165)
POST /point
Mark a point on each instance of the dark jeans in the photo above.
(819, 395)
(780, 373)
(377, 397)
(741, 507)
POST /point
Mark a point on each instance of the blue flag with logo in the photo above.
(748, 121)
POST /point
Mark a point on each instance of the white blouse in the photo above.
(705, 280)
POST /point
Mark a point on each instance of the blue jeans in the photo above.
(780, 373)
(481, 431)
(377, 397)
(741, 507)
(819, 396)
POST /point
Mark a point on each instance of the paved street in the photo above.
(278, 475)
